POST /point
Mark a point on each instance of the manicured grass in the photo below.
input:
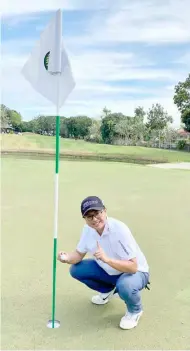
(38, 143)
(155, 205)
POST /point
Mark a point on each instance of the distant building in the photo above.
(5, 128)
(183, 133)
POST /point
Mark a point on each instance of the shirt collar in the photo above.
(105, 232)
(106, 229)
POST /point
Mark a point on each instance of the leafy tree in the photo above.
(124, 128)
(185, 117)
(170, 134)
(106, 112)
(138, 124)
(138, 128)
(63, 127)
(33, 126)
(94, 132)
(15, 120)
(182, 100)
(182, 95)
(157, 118)
(108, 127)
(140, 113)
(181, 144)
(131, 129)
(5, 120)
(30, 126)
(10, 118)
(25, 127)
(78, 127)
(83, 123)
(43, 125)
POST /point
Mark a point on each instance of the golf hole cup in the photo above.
(56, 324)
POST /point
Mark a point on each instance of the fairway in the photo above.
(155, 205)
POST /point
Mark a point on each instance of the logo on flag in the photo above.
(46, 60)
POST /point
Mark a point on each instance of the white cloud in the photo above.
(147, 21)
(15, 20)
(112, 66)
(93, 69)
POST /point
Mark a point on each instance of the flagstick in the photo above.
(55, 323)
(56, 215)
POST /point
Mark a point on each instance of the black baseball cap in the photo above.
(91, 203)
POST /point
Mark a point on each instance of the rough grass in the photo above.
(45, 145)
(155, 205)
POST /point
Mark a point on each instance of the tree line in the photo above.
(111, 127)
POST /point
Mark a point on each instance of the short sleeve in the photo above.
(126, 245)
(82, 244)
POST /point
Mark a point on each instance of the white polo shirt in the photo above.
(117, 242)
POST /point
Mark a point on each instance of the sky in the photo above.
(123, 54)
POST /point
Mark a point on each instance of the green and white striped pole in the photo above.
(56, 217)
(55, 323)
(54, 66)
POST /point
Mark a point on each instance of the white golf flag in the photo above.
(49, 62)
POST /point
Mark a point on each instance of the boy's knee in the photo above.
(83, 269)
(73, 270)
(125, 288)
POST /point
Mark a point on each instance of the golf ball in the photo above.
(63, 256)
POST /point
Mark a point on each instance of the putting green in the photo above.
(155, 205)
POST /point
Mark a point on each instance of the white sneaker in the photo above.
(103, 298)
(130, 320)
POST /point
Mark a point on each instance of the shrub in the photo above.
(181, 144)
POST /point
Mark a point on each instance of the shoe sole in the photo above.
(101, 303)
